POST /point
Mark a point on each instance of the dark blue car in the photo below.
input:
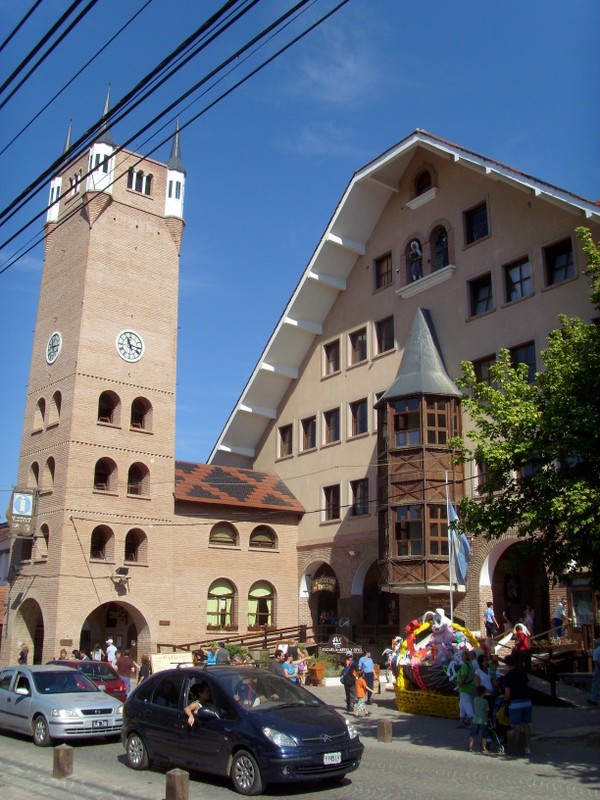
(247, 723)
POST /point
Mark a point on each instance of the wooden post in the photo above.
(384, 730)
(63, 761)
(178, 784)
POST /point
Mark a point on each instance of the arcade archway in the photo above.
(28, 627)
(119, 621)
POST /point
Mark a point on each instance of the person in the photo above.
(76, 655)
(365, 662)
(479, 728)
(202, 699)
(222, 654)
(350, 684)
(483, 678)
(522, 648)
(516, 695)
(506, 618)
(491, 623)
(23, 654)
(291, 671)
(144, 671)
(276, 665)
(466, 689)
(595, 673)
(125, 665)
(559, 618)
(111, 652)
(293, 649)
(63, 655)
(302, 659)
(211, 656)
(529, 619)
(245, 693)
(362, 691)
(98, 653)
(416, 261)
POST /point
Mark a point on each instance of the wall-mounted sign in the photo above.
(21, 512)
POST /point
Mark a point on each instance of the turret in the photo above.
(175, 180)
(56, 187)
(101, 161)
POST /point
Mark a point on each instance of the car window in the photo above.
(22, 683)
(62, 682)
(218, 701)
(97, 671)
(6, 677)
(262, 690)
(162, 692)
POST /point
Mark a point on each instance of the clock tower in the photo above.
(98, 444)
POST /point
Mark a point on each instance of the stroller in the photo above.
(495, 735)
(499, 725)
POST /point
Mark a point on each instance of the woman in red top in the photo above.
(522, 648)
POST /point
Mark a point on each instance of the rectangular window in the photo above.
(517, 280)
(360, 497)
(331, 502)
(309, 433)
(331, 354)
(525, 354)
(436, 414)
(558, 262)
(407, 422)
(480, 295)
(358, 346)
(383, 271)
(359, 417)
(409, 531)
(331, 421)
(438, 530)
(476, 223)
(384, 335)
(482, 369)
(285, 440)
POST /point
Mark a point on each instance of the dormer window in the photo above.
(139, 181)
(423, 182)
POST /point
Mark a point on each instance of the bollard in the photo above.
(63, 761)
(384, 730)
(178, 784)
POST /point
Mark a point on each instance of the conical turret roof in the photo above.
(104, 134)
(175, 163)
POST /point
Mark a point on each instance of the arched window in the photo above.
(261, 605)
(54, 410)
(109, 408)
(102, 543)
(39, 414)
(49, 470)
(138, 480)
(141, 414)
(34, 475)
(414, 261)
(263, 538)
(439, 248)
(136, 546)
(139, 182)
(42, 542)
(423, 182)
(223, 534)
(220, 604)
(105, 476)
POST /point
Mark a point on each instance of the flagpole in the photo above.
(450, 547)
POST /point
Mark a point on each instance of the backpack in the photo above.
(343, 674)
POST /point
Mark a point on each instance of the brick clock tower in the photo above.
(98, 442)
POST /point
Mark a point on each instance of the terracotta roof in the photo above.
(216, 485)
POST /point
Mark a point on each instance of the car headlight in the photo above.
(64, 712)
(119, 710)
(352, 732)
(279, 738)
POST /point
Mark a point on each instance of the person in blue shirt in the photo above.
(365, 663)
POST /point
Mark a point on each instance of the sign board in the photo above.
(160, 661)
(340, 645)
(21, 512)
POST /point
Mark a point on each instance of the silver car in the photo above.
(52, 702)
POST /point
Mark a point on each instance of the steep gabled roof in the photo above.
(325, 277)
(213, 485)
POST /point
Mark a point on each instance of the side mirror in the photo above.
(205, 713)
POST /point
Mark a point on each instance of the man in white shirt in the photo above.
(560, 617)
(111, 652)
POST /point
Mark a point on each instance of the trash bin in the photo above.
(316, 673)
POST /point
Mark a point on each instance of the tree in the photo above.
(538, 444)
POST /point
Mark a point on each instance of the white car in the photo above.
(52, 702)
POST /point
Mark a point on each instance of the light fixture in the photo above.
(123, 571)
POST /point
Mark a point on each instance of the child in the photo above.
(361, 694)
(480, 718)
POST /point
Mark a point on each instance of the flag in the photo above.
(460, 549)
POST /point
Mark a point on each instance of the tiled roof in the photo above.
(215, 485)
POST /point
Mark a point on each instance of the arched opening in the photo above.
(39, 414)
(141, 414)
(102, 544)
(49, 471)
(414, 261)
(440, 255)
(138, 480)
(220, 604)
(109, 408)
(105, 476)
(324, 596)
(263, 538)
(423, 182)
(34, 474)
(55, 408)
(261, 605)
(136, 546)
(28, 628)
(121, 622)
(519, 579)
(42, 542)
(223, 534)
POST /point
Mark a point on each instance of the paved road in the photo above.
(426, 759)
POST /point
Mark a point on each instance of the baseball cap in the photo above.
(109, 641)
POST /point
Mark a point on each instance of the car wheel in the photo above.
(41, 735)
(245, 774)
(137, 755)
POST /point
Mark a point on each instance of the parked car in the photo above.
(54, 702)
(257, 728)
(102, 674)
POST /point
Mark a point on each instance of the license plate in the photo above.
(99, 723)
(332, 758)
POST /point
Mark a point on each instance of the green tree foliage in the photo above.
(538, 445)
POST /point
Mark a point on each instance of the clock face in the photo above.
(130, 346)
(53, 347)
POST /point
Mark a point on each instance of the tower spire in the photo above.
(175, 163)
(104, 134)
(67, 146)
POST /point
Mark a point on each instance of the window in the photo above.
(384, 275)
(359, 491)
(409, 531)
(105, 475)
(138, 181)
(423, 182)
(558, 262)
(439, 248)
(174, 189)
(54, 410)
(136, 546)
(261, 599)
(331, 498)
(138, 480)
(359, 415)
(482, 369)
(39, 414)
(49, 472)
(438, 530)
(332, 425)
(476, 223)
(285, 441)
(358, 346)
(26, 548)
(263, 538)
(414, 261)
(102, 543)
(436, 415)
(517, 280)
(331, 354)
(141, 414)
(42, 542)
(220, 604)
(384, 335)
(309, 433)
(34, 474)
(407, 422)
(109, 408)
(223, 534)
(480, 295)
(525, 354)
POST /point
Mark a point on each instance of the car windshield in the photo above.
(62, 682)
(97, 671)
(267, 691)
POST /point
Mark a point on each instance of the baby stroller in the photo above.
(494, 736)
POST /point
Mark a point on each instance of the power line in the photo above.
(19, 25)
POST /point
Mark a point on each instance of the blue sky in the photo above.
(515, 81)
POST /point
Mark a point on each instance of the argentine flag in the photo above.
(459, 548)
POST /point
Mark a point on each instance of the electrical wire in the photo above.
(19, 25)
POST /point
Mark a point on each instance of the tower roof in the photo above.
(175, 163)
(104, 134)
(421, 370)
